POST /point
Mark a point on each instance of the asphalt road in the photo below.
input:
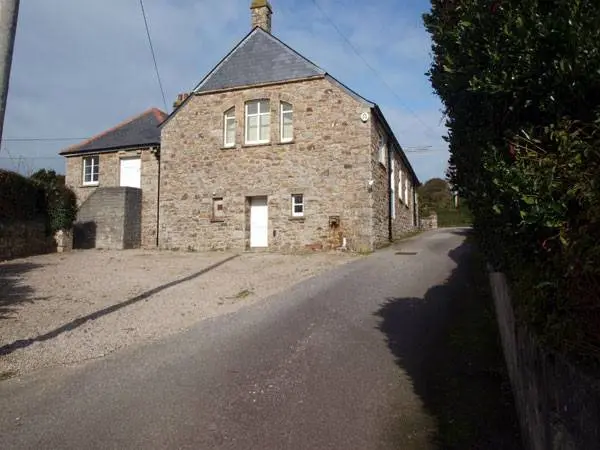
(311, 368)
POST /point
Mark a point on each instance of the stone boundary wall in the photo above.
(21, 239)
(558, 405)
(429, 222)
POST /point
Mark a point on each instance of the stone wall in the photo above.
(404, 206)
(429, 222)
(329, 162)
(110, 218)
(558, 405)
(24, 239)
(109, 172)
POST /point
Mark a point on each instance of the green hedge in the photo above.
(41, 197)
(20, 198)
(520, 81)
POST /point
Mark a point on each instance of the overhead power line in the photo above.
(162, 91)
(43, 139)
(343, 36)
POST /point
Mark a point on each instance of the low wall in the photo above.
(110, 218)
(22, 239)
(430, 222)
(558, 405)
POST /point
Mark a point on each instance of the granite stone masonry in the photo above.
(331, 162)
(109, 177)
(20, 239)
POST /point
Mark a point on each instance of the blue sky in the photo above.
(82, 66)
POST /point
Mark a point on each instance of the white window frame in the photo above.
(95, 164)
(393, 189)
(400, 185)
(259, 115)
(229, 116)
(382, 151)
(294, 204)
(282, 113)
(406, 191)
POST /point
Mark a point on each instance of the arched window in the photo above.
(258, 122)
(229, 128)
(287, 122)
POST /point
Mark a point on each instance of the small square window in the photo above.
(218, 210)
(297, 205)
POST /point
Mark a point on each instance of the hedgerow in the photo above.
(40, 197)
(520, 81)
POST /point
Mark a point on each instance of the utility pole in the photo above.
(9, 11)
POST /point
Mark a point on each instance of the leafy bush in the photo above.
(43, 196)
(60, 200)
(520, 80)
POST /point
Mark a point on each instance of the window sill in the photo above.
(258, 144)
(89, 185)
(287, 142)
(229, 147)
(297, 218)
(213, 220)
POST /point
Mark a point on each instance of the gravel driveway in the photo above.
(64, 308)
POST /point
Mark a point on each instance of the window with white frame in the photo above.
(406, 190)
(400, 185)
(229, 128)
(287, 123)
(393, 193)
(382, 150)
(297, 205)
(258, 122)
(91, 166)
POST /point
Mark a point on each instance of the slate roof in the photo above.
(259, 58)
(137, 131)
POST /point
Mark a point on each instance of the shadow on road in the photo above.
(449, 345)
(13, 291)
(23, 343)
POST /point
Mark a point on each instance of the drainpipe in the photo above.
(157, 155)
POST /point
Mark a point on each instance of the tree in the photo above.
(434, 194)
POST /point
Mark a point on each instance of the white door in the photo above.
(131, 172)
(259, 222)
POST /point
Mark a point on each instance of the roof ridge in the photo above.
(110, 130)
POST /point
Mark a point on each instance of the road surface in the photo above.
(332, 363)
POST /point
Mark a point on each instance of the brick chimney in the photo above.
(261, 14)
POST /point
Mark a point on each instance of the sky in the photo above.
(83, 66)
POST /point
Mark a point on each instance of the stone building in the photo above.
(270, 151)
(115, 176)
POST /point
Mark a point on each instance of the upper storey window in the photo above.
(258, 122)
(287, 122)
(229, 128)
